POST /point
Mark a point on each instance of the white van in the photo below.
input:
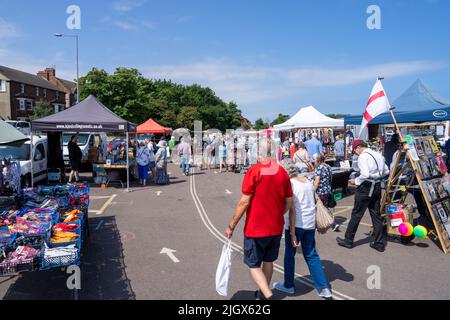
(85, 141)
(22, 126)
(21, 152)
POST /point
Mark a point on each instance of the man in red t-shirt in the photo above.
(267, 195)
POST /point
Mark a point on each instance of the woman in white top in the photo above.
(303, 216)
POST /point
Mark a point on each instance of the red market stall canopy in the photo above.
(150, 126)
(90, 115)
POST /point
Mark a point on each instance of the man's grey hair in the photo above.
(265, 148)
(290, 168)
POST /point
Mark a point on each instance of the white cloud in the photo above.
(251, 85)
(127, 25)
(8, 30)
(320, 77)
(122, 6)
(184, 19)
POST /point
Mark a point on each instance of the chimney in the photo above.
(49, 74)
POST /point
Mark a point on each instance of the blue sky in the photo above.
(268, 56)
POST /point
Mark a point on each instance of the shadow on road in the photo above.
(333, 271)
(103, 274)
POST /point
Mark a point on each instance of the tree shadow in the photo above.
(103, 274)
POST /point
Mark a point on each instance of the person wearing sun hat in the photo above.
(161, 163)
(368, 196)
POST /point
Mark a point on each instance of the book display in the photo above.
(419, 168)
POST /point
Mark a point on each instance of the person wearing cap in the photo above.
(368, 196)
(313, 146)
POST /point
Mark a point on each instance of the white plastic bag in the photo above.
(223, 270)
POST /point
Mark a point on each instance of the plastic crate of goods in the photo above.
(59, 257)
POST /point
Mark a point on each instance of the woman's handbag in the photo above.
(308, 165)
(324, 218)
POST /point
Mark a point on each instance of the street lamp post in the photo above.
(59, 35)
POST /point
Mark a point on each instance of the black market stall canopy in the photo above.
(417, 105)
(90, 115)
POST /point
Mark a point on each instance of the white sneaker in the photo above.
(336, 228)
(280, 287)
(325, 293)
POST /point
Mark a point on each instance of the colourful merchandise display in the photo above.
(46, 232)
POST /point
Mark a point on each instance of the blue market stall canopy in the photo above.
(90, 115)
(417, 105)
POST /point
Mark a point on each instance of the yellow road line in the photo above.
(107, 203)
(99, 197)
(349, 209)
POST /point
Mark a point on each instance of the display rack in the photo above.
(418, 163)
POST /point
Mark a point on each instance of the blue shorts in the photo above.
(259, 250)
(152, 164)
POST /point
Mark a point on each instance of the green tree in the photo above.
(132, 96)
(187, 116)
(280, 119)
(336, 115)
(260, 124)
(41, 109)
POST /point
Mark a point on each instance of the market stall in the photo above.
(90, 115)
(418, 104)
(10, 170)
(419, 168)
(307, 121)
(151, 126)
(45, 230)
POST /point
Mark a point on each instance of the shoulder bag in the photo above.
(324, 218)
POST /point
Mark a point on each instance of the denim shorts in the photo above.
(259, 250)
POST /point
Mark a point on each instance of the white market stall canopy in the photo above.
(309, 117)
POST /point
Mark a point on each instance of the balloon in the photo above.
(420, 232)
(406, 229)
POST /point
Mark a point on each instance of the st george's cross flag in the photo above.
(378, 103)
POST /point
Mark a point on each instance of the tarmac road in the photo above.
(130, 230)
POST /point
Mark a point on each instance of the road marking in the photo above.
(342, 211)
(107, 203)
(99, 225)
(170, 254)
(348, 209)
(99, 197)
(228, 191)
(235, 247)
(158, 193)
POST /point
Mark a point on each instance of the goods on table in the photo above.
(46, 232)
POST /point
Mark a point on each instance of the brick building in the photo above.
(20, 91)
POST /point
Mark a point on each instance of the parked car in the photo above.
(21, 152)
(22, 126)
(86, 142)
